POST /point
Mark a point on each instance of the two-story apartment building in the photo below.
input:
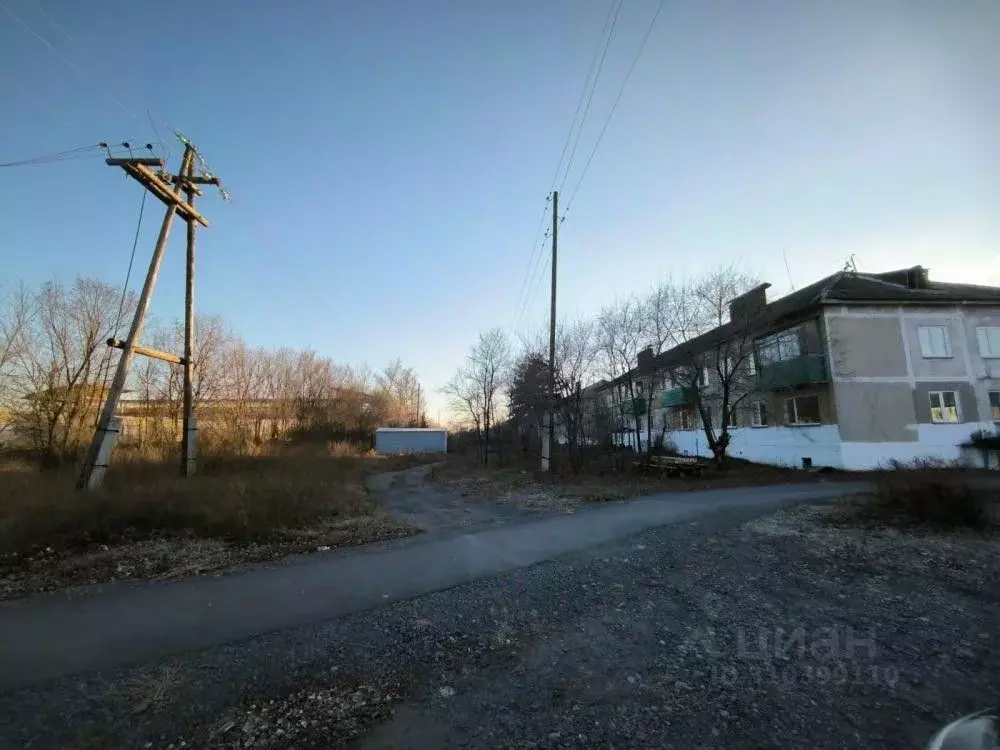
(852, 372)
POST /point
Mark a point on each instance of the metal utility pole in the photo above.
(549, 440)
(167, 188)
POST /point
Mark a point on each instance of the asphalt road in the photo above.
(699, 632)
(55, 635)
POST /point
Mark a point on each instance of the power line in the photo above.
(596, 63)
(44, 14)
(528, 270)
(121, 307)
(73, 153)
(597, 60)
(593, 88)
(530, 300)
(536, 277)
(79, 70)
(621, 92)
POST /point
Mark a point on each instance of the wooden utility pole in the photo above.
(550, 442)
(190, 426)
(167, 188)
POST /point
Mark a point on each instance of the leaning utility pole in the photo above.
(168, 189)
(549, 440)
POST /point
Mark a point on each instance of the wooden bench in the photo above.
(672, 466)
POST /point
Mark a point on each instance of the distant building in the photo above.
(853, 371)
(395, 440)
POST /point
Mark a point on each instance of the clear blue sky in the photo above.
(389, 159)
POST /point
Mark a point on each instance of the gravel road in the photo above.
(725, 632)
(438, 510)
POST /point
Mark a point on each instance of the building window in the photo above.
(733, 418)
(758, 414)
(704, 376)
(995, 405)
(802, 410)
(751, 364)
(989, 341)
(944, 406)
(684, 416)
(781, 346)
(934, 341)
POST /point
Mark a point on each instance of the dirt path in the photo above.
(436, 509)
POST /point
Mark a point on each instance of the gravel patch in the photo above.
(728, 632)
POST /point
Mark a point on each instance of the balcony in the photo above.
(788, 373)
(675, 396)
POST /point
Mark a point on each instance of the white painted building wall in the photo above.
(779, 446)
(936, 442)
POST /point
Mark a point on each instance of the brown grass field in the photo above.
(148, 522)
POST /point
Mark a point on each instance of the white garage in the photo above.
(392, 440)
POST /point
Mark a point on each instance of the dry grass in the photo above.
(520, 482)
(932, 495)
(148, 522)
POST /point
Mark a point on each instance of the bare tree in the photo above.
(576, 352)
(54, 374)
(474, 391)
(718, 371)
(17, 310)
(620, 338)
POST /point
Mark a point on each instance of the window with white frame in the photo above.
(751, 363)
(705, 375)
(684, 418)
(995, 405)
(934, 341)
(780, 346)
(989, 341)
(802, 410)
(944, 407)
(758, 414)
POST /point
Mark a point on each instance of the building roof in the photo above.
(903, 286)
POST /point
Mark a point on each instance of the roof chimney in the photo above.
(748, 304)
(644, 359)
(912, 278)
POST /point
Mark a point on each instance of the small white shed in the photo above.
(390, 440)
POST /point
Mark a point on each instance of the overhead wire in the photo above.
(66, 60)
(590, 98)
(596, 63)
(83, 152)
(52, 22)
(121, 307)
(529, 270)
(72, 153)
(621, 92)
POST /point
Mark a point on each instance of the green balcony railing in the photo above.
(801, 370)
(675, 396)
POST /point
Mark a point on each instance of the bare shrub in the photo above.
(270, 497)
(931, 493)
